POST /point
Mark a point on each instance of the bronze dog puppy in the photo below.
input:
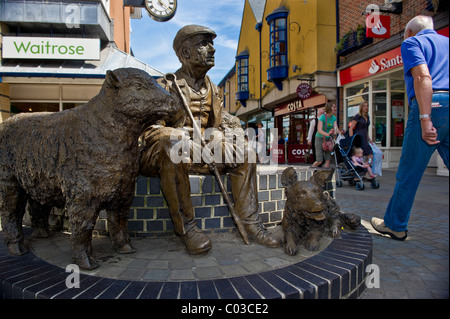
(310, 212)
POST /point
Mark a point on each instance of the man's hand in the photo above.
(424, 95)
(429, 133)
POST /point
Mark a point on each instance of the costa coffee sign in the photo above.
(378, 64)
(304, 91)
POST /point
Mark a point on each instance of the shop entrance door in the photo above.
(298, 150)
(292, 131)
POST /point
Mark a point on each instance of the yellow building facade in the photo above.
(285, 46)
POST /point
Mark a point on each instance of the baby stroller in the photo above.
(345, 170)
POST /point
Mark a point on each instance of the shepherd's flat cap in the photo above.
(188, 31)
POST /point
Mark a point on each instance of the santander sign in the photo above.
(380, 63)
(384, 64)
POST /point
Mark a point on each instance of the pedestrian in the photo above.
(326, 128)
(260, 142)
(426, 72)
(360, 125)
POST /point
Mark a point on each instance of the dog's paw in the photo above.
(291, 249)
(312, 245)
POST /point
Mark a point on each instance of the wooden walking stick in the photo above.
(212, 166)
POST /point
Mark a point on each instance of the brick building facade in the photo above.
(371, 69)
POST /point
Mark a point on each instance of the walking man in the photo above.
(426, 72)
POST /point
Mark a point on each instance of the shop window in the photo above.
(242, 93)
(353, 104)
(358, 89)
(278, 69)
(380, 118)
(398, 85)
(299, 128)
(388, 117)
(69, 105)
(397, 118)
(379, 85)
(27, 107)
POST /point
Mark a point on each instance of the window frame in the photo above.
(278, 46)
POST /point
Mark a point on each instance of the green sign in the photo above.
(50, 48)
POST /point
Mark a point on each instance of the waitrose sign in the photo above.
(50, 48)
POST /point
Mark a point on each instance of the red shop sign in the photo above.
(398, 129)
(278, 154)
(296, 153)
(378, 26)
(304, 90)
(378, 64)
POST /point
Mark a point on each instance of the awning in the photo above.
(260, 116)
(296, 105)
(111, 58)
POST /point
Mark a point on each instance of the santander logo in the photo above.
(378, 26)
(378, 29)
(385, 64)
(374, 67)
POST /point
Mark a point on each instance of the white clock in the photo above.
(161, 10)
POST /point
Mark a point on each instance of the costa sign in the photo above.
(304, 91)
(295, 106)
(297, 153)
(378, 64)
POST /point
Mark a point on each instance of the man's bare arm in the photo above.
(424, 95)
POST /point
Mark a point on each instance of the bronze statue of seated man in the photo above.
(193, 45)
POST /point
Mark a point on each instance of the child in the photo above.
(357, 160)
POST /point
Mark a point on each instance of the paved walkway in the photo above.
(166, 259)
(419, 266)
(415, 268)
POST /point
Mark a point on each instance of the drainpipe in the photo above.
(272, 111)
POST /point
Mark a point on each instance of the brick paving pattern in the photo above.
(419, 266)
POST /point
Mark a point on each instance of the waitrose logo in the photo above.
(50, 48)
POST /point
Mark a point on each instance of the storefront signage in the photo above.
(304, 91)
(298, 153)
(278, 154)
(51, 48)
(295, 106)
(380, 63)
(397, 109)
(378, 26)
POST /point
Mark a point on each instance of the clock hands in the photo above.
(163, 4)
(161, 10)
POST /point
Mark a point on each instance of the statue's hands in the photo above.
(178, 120)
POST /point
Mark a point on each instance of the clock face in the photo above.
(161, 10)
